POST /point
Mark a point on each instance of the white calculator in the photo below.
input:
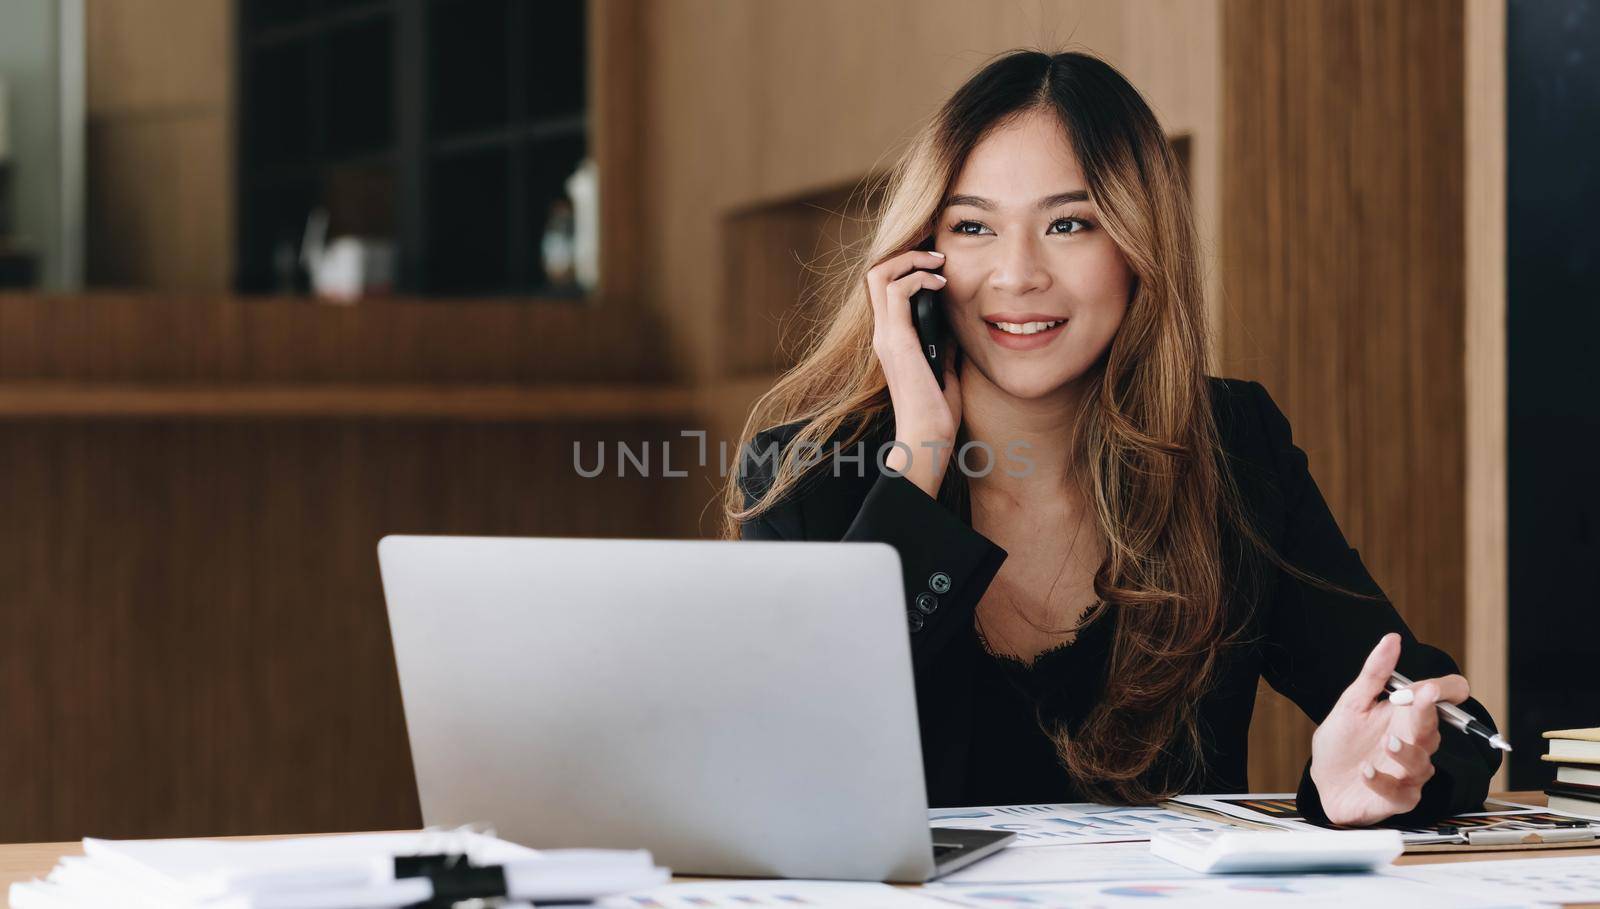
(1278, 850)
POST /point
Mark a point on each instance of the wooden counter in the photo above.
(191, 493)
(147, 338)
(566, 403)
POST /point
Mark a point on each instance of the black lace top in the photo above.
(1013, 760)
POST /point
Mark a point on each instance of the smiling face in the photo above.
(1036, 288)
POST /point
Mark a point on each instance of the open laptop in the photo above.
(737, 708)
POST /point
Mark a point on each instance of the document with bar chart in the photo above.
(1077, 822)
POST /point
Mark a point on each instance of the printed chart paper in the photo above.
(1067, 864)
(1573, 879)
(756, 894)
(1078, 822)
(1320, 891)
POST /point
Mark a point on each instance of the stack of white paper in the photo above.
(318, 872)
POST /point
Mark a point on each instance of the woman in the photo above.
(1104, 549)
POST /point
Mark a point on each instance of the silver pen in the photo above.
(1455, 716)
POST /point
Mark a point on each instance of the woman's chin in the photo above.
(1030, 385)
(1027, 378)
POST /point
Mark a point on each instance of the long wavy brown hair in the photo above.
(1146, 448)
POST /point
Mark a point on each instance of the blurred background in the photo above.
(278, 277)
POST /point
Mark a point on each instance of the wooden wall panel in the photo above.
(160, 143)
(160, 215)
(194, 638)
(158, 55)
(1487, 529)
(778, 255)
(1342, 248)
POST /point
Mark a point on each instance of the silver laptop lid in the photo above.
(738, 708)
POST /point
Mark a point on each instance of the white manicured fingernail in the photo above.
(1367, 771)
(937, 253)
(1394, 744)
(940, 277)
(1402, 697)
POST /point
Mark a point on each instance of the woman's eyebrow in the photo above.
(1045, 204)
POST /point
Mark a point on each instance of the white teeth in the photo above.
(1026, 328)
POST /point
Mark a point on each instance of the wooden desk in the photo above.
(25, 861)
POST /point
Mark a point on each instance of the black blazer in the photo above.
(1307, 642)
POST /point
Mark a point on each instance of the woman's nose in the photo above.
(1019, 268)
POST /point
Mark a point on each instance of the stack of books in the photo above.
(375, 870)
(1576, 754)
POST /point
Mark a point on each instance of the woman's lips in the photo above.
(1024, 342)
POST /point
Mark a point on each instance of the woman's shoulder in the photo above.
(1235, 404)
(1257, 443)
(773, 441)
(837, 464)
(1245, 412)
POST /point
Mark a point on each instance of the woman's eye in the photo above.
(961, 226)
(1080, 224)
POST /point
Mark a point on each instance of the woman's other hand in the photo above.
(1371, 757)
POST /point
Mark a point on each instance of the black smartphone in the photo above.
(927, 315)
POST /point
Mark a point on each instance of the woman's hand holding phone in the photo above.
(926, 417)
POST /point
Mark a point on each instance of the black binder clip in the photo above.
(454, 878)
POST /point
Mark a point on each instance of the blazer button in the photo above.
(927, 603)
(914, 619)
(939, 582)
